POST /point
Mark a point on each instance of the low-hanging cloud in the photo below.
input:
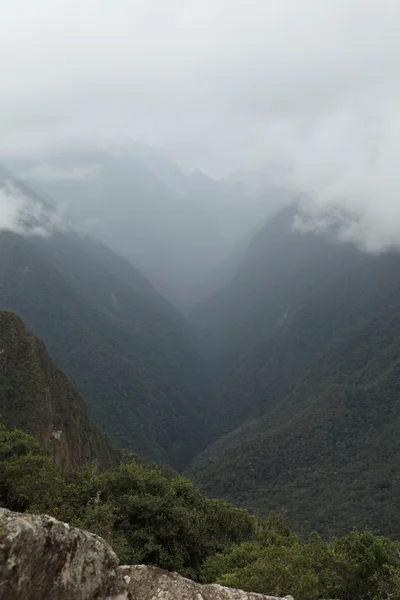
(25, 214)
(353, 183)
(222, 84)
(44, 172)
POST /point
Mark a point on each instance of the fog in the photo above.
(355, 182)
(183, 230)
(300, 95)
(24, 213)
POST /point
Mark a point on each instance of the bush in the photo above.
(359, 566)
(149, 517)
(146, 516)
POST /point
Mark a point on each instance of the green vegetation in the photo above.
(153, 518)
(282, 270)
(123, 346)
(308, 421)
(358, 566)
(146, 516)
(37, 397)
(332, 467)
(29, 477)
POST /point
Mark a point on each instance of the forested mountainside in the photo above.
(308, 419)
(280, 270)
(132, 361)
(125, 348)
(37, 397)
(293, 404)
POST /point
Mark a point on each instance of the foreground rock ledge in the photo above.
(150, 583)
(44, 559)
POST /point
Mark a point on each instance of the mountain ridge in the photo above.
(37, 397)
(125, 347)
(330, 367)
(116, 358)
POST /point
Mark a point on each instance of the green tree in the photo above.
(359, 566)
(29, 479)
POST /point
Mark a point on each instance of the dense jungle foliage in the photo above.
(151, 517)
(146, 514)
(357, 566)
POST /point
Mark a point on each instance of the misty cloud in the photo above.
(354, 184)
(25, 214)
(55, 173)
(310, 85)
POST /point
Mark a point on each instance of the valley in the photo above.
(277, 391)
(200, 300)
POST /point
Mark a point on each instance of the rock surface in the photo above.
(44, 559)
(151, 583)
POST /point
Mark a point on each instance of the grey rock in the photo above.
(44, 559)
(143, 582)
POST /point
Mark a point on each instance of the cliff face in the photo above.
(37, 397)
(41, 558)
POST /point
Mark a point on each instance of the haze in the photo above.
(301, 95)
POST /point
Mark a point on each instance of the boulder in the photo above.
(151, 583)
(44, 559)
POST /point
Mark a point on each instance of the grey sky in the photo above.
(222, 84)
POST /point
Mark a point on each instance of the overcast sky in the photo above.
(222, 84)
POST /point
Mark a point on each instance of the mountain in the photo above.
(281, 392)
(280, 269)
(176, 227)
(37, 397)
(306, 419)
(126, 349)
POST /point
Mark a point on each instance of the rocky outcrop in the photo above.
(38, 398)
(44, 559)
(150, 583)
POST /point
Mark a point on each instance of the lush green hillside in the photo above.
(332, 335)
(281, 270)
(128, 354)
(332, 467)
(313, 412)
(37, 397)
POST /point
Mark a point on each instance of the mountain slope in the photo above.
(132, 362)
(125, 347)
(332, 467)
(37, 397)
(281, 271)
(311, 414)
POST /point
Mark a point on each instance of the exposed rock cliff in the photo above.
(44, 559)
(37, 397)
